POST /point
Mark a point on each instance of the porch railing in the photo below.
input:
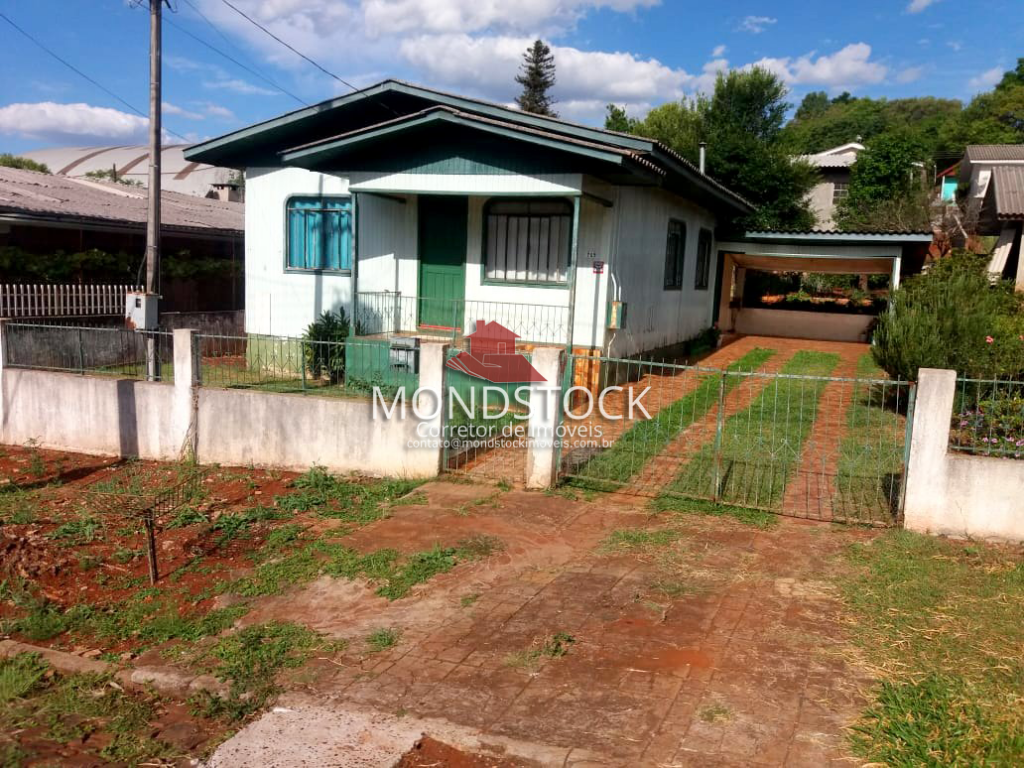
(395, 314)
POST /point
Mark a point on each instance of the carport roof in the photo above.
(837, 237)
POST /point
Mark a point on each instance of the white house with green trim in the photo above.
(418, 212)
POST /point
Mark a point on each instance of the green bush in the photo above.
(953, 316)
(326, 355)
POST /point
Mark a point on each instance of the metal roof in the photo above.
(842, 156)
(32, 196)
(994, 153)
(835, 235)
(132, 162)
(1009, 191)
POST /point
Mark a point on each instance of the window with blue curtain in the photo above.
(319, 233)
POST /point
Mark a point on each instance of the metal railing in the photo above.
(22, 300)
(288, 364)
(988, 418)
(117, 352)
(395, 314)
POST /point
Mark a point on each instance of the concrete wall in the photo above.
(656, 317)
(954, 495)
(794, 324)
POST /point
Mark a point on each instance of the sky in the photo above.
(635, 53)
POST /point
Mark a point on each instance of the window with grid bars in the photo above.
(319, 233)
(840, 189)
(675, 247)
(528, 241)
(703, 273)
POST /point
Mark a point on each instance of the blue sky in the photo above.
(636, 53)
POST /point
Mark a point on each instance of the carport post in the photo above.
(894, 283)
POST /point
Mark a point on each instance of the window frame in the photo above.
(486, 215)
(840, 190)
(705, 237)
(680, 257)
(349, 205)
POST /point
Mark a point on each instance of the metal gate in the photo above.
(793, 441)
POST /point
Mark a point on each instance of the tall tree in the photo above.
(537, 76)
(616, 119)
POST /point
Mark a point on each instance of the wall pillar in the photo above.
(545, 412)
(185, 415)
(433, 356)
(3, 363)
(926, 495)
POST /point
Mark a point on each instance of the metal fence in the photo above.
(22, 300)
(988, 418)
(795, 441)
(395, 314)
(117, 352)
(288, 364)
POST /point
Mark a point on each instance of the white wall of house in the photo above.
(656, 317)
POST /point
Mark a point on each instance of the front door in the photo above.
(442, 251)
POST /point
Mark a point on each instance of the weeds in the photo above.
(641, 538)
(673, 503)
(348, 500)
(382, 639)
(553, 647)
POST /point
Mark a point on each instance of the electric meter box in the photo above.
(140, 312)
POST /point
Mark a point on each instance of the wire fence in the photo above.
(988, 418)
(388, 314)
(98, 351)
(350, 368)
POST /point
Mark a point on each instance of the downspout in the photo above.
(572, 273)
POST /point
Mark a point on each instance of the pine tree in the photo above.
(537, 76)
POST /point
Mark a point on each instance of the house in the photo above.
(425, 213)
(994, 176)
(834, 169)
(44, 214)
(131, 164)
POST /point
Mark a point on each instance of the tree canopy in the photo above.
(537, 77)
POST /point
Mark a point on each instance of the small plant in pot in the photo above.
(325, 351)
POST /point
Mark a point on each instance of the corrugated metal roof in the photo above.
(1009, 191)
(40, 195)
(132, 162)
(988, 153)
(838, 234)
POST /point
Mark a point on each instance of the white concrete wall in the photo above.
(793, 324)
(955, 495)
(656, 317)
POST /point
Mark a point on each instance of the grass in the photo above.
(640, 538)
(646, 439)
(382, 639)
(746, 515)
(17, 505)
(553, 647)
(347, 500)
(761, 445)
(871, 455)
(71, 708)
(940, 622)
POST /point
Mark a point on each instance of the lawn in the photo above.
(761, 445)
(646, 439)
(941, 624)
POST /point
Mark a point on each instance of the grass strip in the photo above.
(761, 445)
(871, 454)
(646, 439)
(939, 621)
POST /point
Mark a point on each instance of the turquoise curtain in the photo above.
(319, 233)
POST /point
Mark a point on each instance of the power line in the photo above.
(82, 74)
(251, 71)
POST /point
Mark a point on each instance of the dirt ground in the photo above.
(597, 634)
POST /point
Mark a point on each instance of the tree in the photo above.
(537, 76)
(815, 104)
(7, 160)
(1013, 78)
(618, 120)
(886, 189)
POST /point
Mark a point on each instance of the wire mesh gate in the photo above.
(794, 441)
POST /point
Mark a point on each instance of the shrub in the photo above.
(953, 316)
(326, 356)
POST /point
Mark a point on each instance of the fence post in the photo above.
(185, 419)
(545, 404)
(81, 353)
(433, 356)
(719, 426)
(3, 364)
(926, 467)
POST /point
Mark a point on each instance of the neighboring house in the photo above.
(948, 181)
(43, 214)
(419, 212)
(834, 168)
(132, 164)
(995, 175)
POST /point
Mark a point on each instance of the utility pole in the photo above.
(153, 215)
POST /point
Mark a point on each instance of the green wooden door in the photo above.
(442, 247)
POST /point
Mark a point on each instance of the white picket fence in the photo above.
(23, 301)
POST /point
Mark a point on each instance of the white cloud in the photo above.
(916, 6)
(238, 86)
(756, 24)
(909, 75)
(72, 124)
(718, 51)
(173, 109)
(846, 68)
(986, 79)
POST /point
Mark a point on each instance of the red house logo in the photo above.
(492, 356)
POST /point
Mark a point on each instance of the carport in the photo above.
(895, 254)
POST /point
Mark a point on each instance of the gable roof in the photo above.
(1008, 181)
(393, 105)
(842, 156)
(995, 153)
